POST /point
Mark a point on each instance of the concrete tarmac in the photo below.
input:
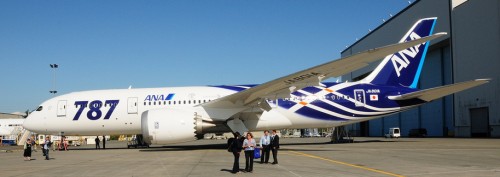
(297, 157)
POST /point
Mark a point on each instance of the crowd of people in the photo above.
(267, 144)
(248, 144)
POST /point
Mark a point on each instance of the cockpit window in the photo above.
(39, 108)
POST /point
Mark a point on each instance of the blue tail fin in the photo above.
(403, 68)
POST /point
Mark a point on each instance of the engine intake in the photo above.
(164, 126)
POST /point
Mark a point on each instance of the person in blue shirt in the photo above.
(249, 146)
(265, 141)
(46, 147)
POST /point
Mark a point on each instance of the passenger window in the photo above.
(154, 103)
(39, 108)
(169, 102)
(184, 102)
(175, 102)
(144, 103)
(150, 103)
(164, 102)
(189, 102)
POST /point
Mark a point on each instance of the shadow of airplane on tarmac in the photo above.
(223, 146)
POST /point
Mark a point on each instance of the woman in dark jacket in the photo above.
(27, 150)
(236, 147)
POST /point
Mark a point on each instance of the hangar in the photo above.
(471, 50)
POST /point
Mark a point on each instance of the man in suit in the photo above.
(97, 141)
(275, 145)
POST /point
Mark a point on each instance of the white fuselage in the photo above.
(59, 114)
(64, 114)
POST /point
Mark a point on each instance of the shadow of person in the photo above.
(227, 170)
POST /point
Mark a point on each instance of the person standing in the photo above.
(264, 145)
(46, 147)
(27, 150)
(65, 143)
(103, 142)
(275, 145)
(56, 145)
(236, 147)
(97, 141)
(249, 146)
(33, 143)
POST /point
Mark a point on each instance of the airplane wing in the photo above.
(282, 87)
(438, 92)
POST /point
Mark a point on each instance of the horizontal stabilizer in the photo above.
(438, 92)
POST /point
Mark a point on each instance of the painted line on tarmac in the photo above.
(289, 171)
(347, 164)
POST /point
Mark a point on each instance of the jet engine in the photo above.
(163, 126)
(171, 125)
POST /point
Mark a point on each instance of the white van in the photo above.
(393, 133)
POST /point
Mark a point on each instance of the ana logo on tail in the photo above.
(401, 61)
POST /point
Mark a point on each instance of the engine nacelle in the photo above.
(164, 126)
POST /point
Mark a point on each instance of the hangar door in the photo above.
(479, 122)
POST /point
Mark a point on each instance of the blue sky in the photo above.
(113, 44)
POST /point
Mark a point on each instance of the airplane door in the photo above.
(132, 105)
(359, 96)
(61, 108)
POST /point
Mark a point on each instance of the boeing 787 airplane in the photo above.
(299, 100)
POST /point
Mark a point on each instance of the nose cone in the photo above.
(30, 124)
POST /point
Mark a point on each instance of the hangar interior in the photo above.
(471, 50)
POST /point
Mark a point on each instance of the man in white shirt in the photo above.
(265, 141)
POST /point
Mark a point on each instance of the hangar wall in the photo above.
(448, 61)
(476, 53)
